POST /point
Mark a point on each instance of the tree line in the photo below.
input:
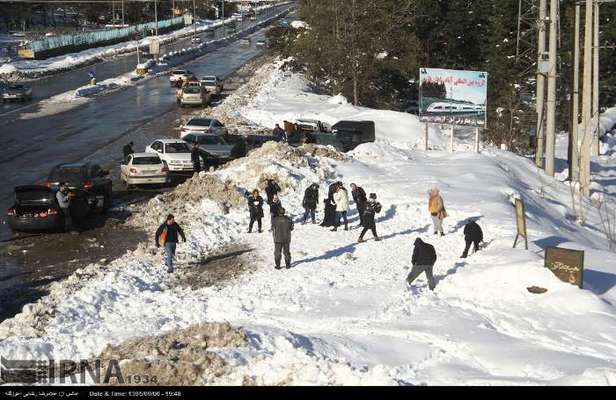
(371, 52)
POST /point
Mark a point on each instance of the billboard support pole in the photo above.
(451, 139)
(426, 136)
(477, 140)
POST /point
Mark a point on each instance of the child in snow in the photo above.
(370, 209)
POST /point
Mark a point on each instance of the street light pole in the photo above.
(550, 126)
(122, 13)
(195, 18)
(156, 15)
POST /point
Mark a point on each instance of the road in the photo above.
(47, 87)
(31, 147)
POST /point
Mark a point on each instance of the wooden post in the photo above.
(451, 139)
(426, 126)
(477, 139)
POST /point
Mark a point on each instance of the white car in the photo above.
(203, 125)
(178, 76)
(175, 152)
(193, 95)
(142, 169)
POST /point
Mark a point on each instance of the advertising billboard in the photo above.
(453, 97)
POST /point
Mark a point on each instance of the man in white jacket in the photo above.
(341, 200)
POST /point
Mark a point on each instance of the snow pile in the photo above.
(607, 121)
(299, 25)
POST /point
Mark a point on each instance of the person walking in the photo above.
(472, 234)
(64, 197)
(437, 210)
(329, 217)
(281, 231)
(424, 258)
(311, 199)
(341, 200)
(195, 157)
(255, 207)
(372, 207)
(167, 236)
(359, 197)
(127, 150)
(271, 189)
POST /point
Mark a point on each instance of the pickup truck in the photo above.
(213, 84)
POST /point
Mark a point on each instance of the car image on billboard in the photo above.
(453, 97)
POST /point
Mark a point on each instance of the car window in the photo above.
(216, 124)
(150, 160)
(192, 90)
(157, 146)
(199, 122)
(177, 148)
(178, 72)
(189, 138)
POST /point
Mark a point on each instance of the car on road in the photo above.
(16, 92)
(143, 169)
(212, 147)
(196, 39)
(35, 209)
(203, 125)
(245, 42)
(213, 84)
(179, 76)
(192, 95)
(261, 43)
(88, 178)
(174, 152)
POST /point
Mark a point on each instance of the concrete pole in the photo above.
(550, 126)
(595, 83)
(195, 18)
(122, 13)
(540, 86)
(477, 132)
(586, 103)
(574, 136)
(426, 136)
(156, 15)
(451, 139)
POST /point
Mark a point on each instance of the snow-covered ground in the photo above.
(344, 314)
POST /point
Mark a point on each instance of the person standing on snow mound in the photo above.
(271, 189)
(310, 201)
(437, 210)
(424, 258)
(281, 231)
(359, 197)
(372, 207)
(255, 207)
(167, 236)
(472, 234)
(341, 200)
(329, 217)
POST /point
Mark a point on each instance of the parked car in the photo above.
(213, 84)
(212, 147)
(245, 42)
(196, 39)
(192, 95)
(87, 177)
(17, 92)
(261, 43)
(203, 125)
(174, 152)
(143, 168)
(35, 209)
(179, 76)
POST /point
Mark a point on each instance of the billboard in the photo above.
(454, 97)
(567, 265)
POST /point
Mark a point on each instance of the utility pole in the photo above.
(156, 15)
(586, 103)
(574, 144)
(550, 126)
(595, 83)
(540, 86)
(122, 13)
(195, 18)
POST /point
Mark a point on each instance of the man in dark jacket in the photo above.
(271, 189)
(255, 207)
(359, 197)
(279, 133)
(311, 199)
(424, 257)
(372, 207)
(281, 230)
(472, 234)
(195, 157)
(167, 235)
(127, 150)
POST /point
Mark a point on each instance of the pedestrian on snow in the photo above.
(63, 196)
(372, 207)
(195, 157)
(167, 236)
(127, 150)
(329, 217)
(437, 210)
(359, 197)
(271, 189)
(275, 207)
(281, 231)
(311, 199)
(255, 207)
(341, 200)
(279, 133)
(423, 260)
(472, 234)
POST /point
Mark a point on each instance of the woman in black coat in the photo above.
(329, 218)
(255, 207)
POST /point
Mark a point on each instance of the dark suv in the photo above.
(88, 178)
